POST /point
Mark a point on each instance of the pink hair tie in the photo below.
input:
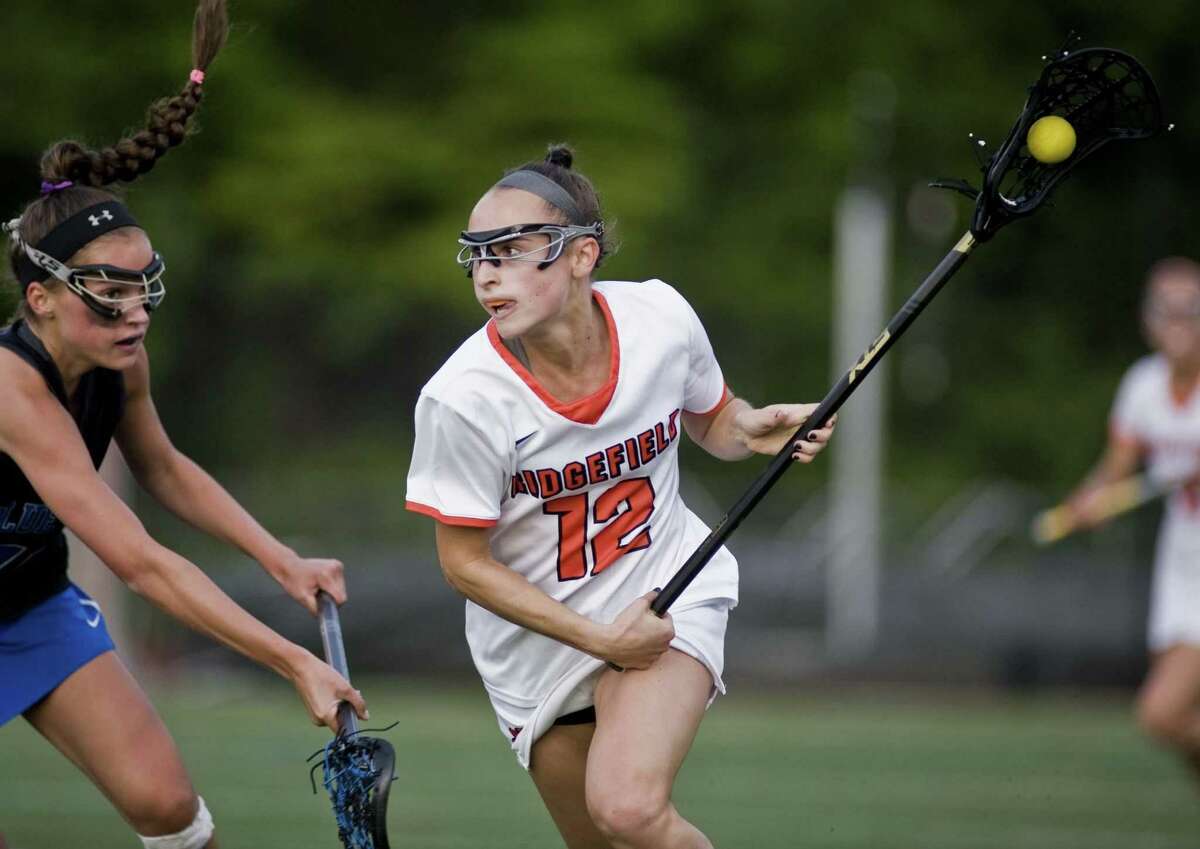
(196, 76)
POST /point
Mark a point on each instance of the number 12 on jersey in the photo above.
(621, 509)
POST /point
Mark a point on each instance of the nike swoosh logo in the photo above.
(92, 606)
(526, 438)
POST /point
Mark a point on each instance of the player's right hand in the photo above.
(638, 638)
(323, 689)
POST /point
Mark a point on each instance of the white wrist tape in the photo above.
(195, 836)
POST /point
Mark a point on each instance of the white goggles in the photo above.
(148, 279)
(540, 243)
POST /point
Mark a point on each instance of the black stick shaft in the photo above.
(335, 656)
(837, 396)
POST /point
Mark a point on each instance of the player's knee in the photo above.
(175, 821)
(162, 810)
(624, 815)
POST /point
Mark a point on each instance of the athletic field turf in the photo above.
(847, 771)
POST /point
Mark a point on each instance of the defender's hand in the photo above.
(302, 577)
(323, 689)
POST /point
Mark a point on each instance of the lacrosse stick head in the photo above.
(1106, 95)
(357, 772)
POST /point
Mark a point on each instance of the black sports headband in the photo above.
(545, 188)
(67, 238)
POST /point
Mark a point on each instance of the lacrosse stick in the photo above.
(1105, 95)
(357, 770)
(1108, 502)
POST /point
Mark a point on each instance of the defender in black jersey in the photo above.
(73, 377)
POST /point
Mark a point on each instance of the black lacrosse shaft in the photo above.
(335, 656)
(837, 396)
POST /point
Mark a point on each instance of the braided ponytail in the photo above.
(73, 174)
(167, 120)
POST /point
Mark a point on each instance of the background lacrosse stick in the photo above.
(357, 770)
(1108, 501)
(1105, 95)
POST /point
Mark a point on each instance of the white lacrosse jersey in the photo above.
(582, 498)
(1167, 428)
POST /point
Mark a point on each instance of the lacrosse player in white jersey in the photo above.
(546, 449)
(1156, 421)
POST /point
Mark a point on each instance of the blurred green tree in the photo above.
(309, 228)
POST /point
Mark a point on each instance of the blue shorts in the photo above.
(43, 646)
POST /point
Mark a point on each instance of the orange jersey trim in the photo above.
(586, 410)
(465, 521)
(726, 397)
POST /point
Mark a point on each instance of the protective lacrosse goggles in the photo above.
(497, 245)
(149, 280)
(1160, 311)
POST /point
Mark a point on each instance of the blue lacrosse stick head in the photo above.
(357, 772)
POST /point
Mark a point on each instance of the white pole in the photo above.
(861, 261)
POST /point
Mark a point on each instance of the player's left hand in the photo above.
(301, 577)
(767, 429)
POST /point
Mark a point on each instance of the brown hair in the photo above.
(168, 123)
(557, 167)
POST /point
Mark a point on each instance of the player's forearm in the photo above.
(187, 594)
(1119, 461)
(510, 596)
(1099, 476)
(195, 496)
(717, 434)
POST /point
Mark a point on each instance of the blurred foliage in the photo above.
(309, 228)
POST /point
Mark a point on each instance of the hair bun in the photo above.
(560, 155)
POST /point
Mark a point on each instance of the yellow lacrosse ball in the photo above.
(1051, 139)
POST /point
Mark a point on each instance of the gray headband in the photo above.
(546, 189)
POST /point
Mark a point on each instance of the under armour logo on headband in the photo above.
(65, 240)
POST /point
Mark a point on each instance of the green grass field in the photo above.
(846, 771)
